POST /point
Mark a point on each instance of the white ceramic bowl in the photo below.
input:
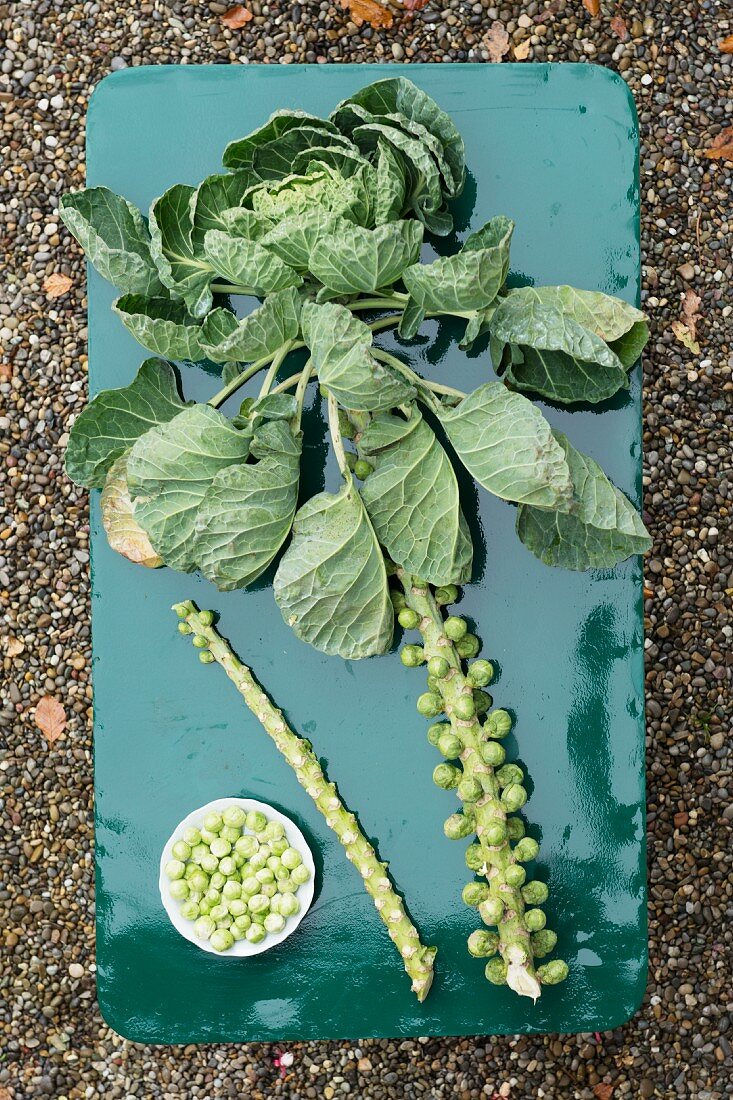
(242, 948)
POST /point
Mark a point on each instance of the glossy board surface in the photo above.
(554, 147)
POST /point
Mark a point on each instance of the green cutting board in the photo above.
(554, 147)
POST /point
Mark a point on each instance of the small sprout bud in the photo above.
(464, 707)
(347, 429)
(535, 892)
(468, 646)
(184, 628)
(455, 627)
(482, 701)
(474, 857)
(200, 641)
(446, 593)
(514, 797)
(535, 919)
(438, 667)
(433, 683)
(206, 617)
(543, 942)
(429, 704)
(480, 673)
(446, 776)
(469, 789)
(509, 774)
(483, 944)
(515, 828)
(363, 469)
(526, 849)
(206, 657)
(491, 910)
(496, 971)
(412, 656)
(181, 610)
(495, 833)
(408, 619)
(459, 826)
(449, 744)
(515, 875)
(553, 973)
(498, 724)
(418, 582)
(398, 599)
(351, 460)
(436, 732)
(493, 754)
(474, 893)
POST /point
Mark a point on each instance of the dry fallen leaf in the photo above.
(50, 718)
(619, 28)
(592, 6)
(497, 42)
(413, 5)
(368, 11)
(722, 147)
(6, 371)
(14, 646)
(726, 46)
(57, 285)
(521, 52)
(603, 1092)
(236, 17)
(686, 328)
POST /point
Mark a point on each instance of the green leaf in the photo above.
(124, 534)
(412, 317)
(275, 160)
(478, 324)
(224, 338)
(390, 184)
(178, 251)
(293, 239)
(355, 260)
(114, 237)
(630, 346)
(348, 165)
(425, 194)
(114, 419)
(399, 95)
(607, 317)
(246, 263)
(248, 511)
(161, 325)
(169, 471)
(241, 153)
(413, 500)
(505, 442)
(218, 194)
(601, 528)
(340, 346)
(331, 585)
(467, 281)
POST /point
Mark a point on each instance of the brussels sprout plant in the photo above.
(323, 220)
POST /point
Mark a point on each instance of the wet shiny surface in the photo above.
(554, 147)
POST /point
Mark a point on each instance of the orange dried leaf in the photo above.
(236, 17)
(497, 42)
(686, 336)
(603, 1091)
(413, 5)
(6, 373)
(368, 11)
(619, 28)
(57, 285)
(50, 718)
(593, 7)
(14, 646)
(722, 147)
(521, 52)
(726, 46)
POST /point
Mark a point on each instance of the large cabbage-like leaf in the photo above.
(331, 585)
(114, 419)
(241, 153)
(413, 500)
(169, 471)
(246, 263)
(248, 511)
(467, 281)
(602, 314)
(340, 346)
(216, 195)
(114, 237)
(353, 260)
(293, 239)
(178, 250)
(505, 442)
(275, 160)
(600, 529)
(124, 534)
(350, 166)
(560, 358)
(161, 325)
(390, 184)
(424, 193)
(225, 339)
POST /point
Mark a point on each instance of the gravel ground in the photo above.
(55, 1043)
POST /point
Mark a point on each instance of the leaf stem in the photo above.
(335, 430)
(230, 288)
(232, 387)
(416, 957)
(303, 381)
(422, 383)
(277, 362)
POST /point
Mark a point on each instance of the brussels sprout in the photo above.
(493, 754)
(174, 869)
(498, 724)
(255, 933)
(363, 469)
(436, 731)
(474, 857)
(552, 973)
(469, 789)
(438, 667)
(179, 889)
(482, 701)
(535, 892)
(184, 628)
(458, 826)
(190, 910)
(398, 600)
(535, 919)
(450, 744)
(475, 892)
(430, 704)
(480, 673)
(468, 646)
(514, 828)
(220, 847)
(495, 833)
(514, 797)
(300, 875)
(289, 904)
(492, 910)
(515, 875)
(412, 656)
(408, 619)
(445, 594)
(464, 707)
(496, 971)
(446, 776)
(274, 922)
(213, 822)
(200, 641)
(206, 617)
(192, 837)
(206, 657)
(483, 944)
(204, 927)
(526, 849)
(455, 627)
(543, 942)
(181, 850)
(509, 774)
(256, 821)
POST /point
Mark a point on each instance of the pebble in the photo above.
(55, 1043)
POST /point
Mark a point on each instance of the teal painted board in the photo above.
(554, 147)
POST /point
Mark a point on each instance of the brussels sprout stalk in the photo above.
(416, 957)
(485, 808)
